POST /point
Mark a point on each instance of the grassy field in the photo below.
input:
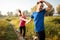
(52, 27)
(6, 31)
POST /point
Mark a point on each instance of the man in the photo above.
(38, 17)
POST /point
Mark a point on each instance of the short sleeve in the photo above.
(32, 16)
(44, 10)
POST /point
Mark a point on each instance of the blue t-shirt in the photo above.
(38, 20)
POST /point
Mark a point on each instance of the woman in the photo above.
(22, 23)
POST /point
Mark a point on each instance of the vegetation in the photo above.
(6, 31)
(52, 27)
(58, 9)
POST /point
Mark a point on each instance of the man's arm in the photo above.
(49, 6)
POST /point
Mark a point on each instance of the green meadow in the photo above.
(52, 28)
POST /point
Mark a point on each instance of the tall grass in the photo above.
(6, 31)
(52, 27)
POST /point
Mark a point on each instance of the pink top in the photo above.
(22, 22)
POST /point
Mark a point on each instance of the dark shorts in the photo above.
(41, 35)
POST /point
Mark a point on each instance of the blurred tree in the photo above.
(33, 9)
(58, 9)
(0, 14)
(50, 13)
(10, 14)
(26, 13)
(16, 15)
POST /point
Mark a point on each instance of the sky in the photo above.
(12, 5)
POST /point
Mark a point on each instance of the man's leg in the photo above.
(41, 35)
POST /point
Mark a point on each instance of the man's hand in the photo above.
(41, 0)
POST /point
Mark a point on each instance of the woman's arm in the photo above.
(23, 19)
(29, 20)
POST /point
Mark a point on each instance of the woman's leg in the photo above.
(24, 31)
(21, 30)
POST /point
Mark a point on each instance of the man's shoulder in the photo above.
(34, 12)
(44, 9)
